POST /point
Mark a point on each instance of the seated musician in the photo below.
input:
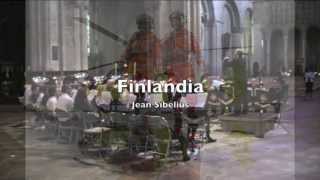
(103, 99)
(212, 103)
(262, 105)
(65, 101)
(111, 87)
(197, 114)
(51, 104)
(180, 51)
(225, 100)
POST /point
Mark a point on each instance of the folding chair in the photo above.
(65, 126)
(137, 138)
(50, 123)
(160, 135)
(96, 140)
(196, 116)
(119, 126)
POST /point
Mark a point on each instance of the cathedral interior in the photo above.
(263, 30)
(63, 36)
(278, 35)
(257, 61)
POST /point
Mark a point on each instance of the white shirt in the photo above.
(74, 93)
(104, 99)
(27, 94)
(65, 102)
(92, 94)
(310, 76)
(39, 100)
(52, 103)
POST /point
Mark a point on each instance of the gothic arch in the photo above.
(208, 20)
(233, 11)
(208, 12)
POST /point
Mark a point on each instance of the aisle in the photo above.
(307, 130)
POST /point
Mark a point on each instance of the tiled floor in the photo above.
(287, 153)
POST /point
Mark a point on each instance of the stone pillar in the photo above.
(28, 63)
(33, 35)
(209, 34)
(236, 40)
(43, 36)
(80, 35)
(304, 47)
(47, 45)
(268, 50)
(285, 38)
(53, 36)
(60, 34)
(84, 39)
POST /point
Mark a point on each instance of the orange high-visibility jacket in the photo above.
(177, 50)
(144, 50)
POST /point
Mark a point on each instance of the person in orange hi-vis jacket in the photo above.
(143, 50)
(180, 54)
(180, 50)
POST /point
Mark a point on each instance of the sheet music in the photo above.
(197, 100)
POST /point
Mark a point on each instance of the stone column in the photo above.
(82, 36)
(78, 36)
(208, 46)
(267, 45)
(236, 40)
(33, 36)
(84, 40)
(47, 37)
(43, 36)
(304, 47)
(28, 63)
(195, 24)
(285, 38)
(60, 34)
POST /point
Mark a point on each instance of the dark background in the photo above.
(12, 55)
(12, 50)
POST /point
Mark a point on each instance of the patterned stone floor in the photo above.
(291, 151)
